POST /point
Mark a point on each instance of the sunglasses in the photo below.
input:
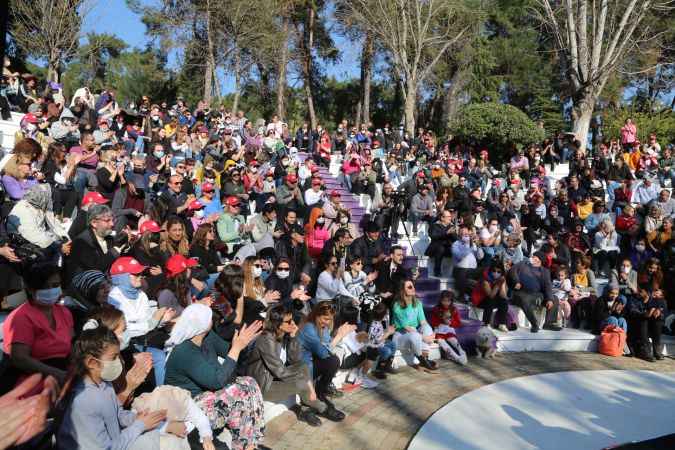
(283, 269)
(257, 266)
(332, 263)
(288, 322)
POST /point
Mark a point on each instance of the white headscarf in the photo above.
(195, 319)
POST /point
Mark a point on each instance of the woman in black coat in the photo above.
(281, 281)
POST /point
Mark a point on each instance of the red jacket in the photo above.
(437, 317)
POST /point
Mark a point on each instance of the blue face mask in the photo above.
(123, 282)
(159, 154)
(48, 297)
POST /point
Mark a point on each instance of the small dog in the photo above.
(486, 342)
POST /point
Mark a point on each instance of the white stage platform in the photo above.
(586, 410)
(566, 340)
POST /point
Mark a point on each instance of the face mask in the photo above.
(254, 169)
(640, 248)
(320, 220)
(30, 127)
(124, 339)
(199, 213)
(466, 239)
(344, 220)
(492, 228)
(48, 297)
(257, 272)
(283, 274)
(111, 369)
(285, 162)
(155, 118)
(159, 154)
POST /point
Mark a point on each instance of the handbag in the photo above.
(612, 341)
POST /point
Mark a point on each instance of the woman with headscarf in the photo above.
(33, 218)
(228, 401)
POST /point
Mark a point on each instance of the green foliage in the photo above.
(495, 125)
(660, 123)
(137, 73)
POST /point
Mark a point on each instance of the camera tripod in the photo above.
(396, 218)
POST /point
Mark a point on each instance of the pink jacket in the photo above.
(628, 134)
(315, 240)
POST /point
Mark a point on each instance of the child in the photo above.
(561, 287)
(380, 347)
(444, 319)
(93, 418)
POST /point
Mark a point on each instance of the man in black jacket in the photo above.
(531, 284)
(368, 247)
(442, 233)
(390, 273)
(293, 247)
(93, 249)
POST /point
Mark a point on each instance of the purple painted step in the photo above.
(427, 284)
(466, 334)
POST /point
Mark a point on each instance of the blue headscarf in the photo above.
(123, 282)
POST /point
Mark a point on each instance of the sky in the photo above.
(114, 17)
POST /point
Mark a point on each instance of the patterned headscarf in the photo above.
(39, 196)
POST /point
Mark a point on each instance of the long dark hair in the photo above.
(179, 285)
(230, 282)
(400, 294)
(90, 343)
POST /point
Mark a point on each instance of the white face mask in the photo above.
(199, 213)
(640, 248)
(283, 274)
(254, 169)
(493, 228)
(626, 269)
(344, 220)
(111, 369)
(320, 220)
(30, 127)
(124, 339)
(257, 271)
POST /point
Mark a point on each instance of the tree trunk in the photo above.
(53, 66)
(366, 77)
(453, 95)
(282, 67)
(410, 105)
(359, 111)
(265, 89)
(210, 69)
(308, 44)
(582, 121)
(237, 80)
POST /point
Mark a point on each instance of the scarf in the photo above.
(123, 282)
(195, 320)
(39, 196)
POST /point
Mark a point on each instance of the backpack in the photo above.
(612, 341)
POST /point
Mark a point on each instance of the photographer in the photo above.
(443, 233)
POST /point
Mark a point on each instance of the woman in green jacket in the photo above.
(227, 400)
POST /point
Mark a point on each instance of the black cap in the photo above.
(371, 227)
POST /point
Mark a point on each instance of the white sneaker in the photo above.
(503, 328)
(369, 383)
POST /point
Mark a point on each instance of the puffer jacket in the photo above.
(36, 226)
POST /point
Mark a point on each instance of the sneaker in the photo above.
(534, 329)
(552, 327)
(333, 414)
(308, 416)
(503, 328)
(429, 365)
(369, 383)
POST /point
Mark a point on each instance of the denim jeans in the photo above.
(617, 322)
(388, 350)
(158, 362)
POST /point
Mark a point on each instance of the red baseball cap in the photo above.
(149, 226)
(232, 201)
(94, 197)
(314, 169)
(195, 204)
(208, 187)
(126, 264)
(178, 264)
(103, 120)
(30, 118)
(316, 181)
(420, 174)
(335, 193)
(291, 178)
(254, 163)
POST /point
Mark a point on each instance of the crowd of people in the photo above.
(182, 265)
